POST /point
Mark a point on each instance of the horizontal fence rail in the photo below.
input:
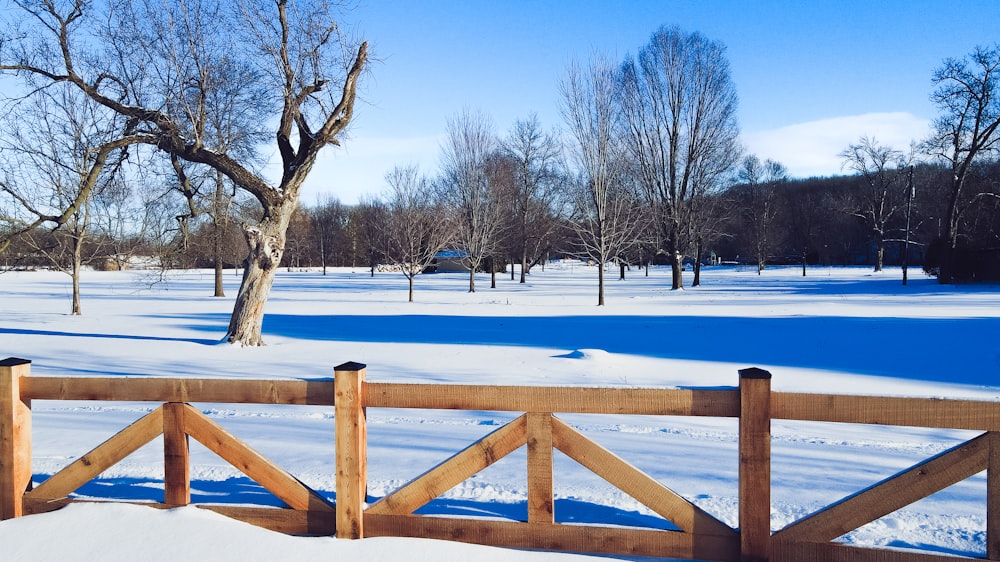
(539, 430)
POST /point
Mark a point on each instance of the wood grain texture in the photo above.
(895, 492)
(176, 456)
(755, 465)
(15, 437)
(629, 479)
(453, 471)
(554, 536)
(881, 410)
(153, 389)
(261, 470)
(583, 400)
(788, 551)
(993, 499)
(539, 441)
(351, 449)
(101, 458)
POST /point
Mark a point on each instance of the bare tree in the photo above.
(883, 169)
(537, 159)
(679, 104)
(60, 152)
(154, 64)
(418, 227)
(467, 186)
(329, 219)
(707, 227)
(804, 206)
(758, 182)
(964, 133)
(592, 115)
(367, 224)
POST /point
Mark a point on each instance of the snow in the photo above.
(838, 330)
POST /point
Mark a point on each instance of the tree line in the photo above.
(141, 129)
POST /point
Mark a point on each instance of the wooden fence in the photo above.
(700, 536)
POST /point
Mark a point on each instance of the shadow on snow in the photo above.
(945, 350)
(242, 490)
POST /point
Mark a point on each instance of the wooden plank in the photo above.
(755, 465)
(15, 437)
(351, 449)
(269, 475)
(553, 536)
(102, 457)
(635, 483)
(281, 520)
(155, 389)
(451, 472)
(993, 499)
(539, 441)
(895, 492)
(33, 506)
(288, 521)
(789, 551)
(584, 400)
(881, 410)
(176, 456)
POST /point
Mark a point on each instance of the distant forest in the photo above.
(814, 221)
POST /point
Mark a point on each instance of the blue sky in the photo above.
(812, 76)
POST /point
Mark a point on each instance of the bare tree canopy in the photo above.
(467, 155)
(679, 105)
(535, 196)
(883, 169)
(603, 216)
(966, 92)
(192, 77)
(418, 227)
(758, 183)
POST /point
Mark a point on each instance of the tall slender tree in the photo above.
(592, 114)
(679, 105)
(758, 184)
(537, 163)
(418, 226)
(467, 155)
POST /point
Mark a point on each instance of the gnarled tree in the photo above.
(156, 65)
(965, 132)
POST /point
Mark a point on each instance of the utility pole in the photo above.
(909, 204)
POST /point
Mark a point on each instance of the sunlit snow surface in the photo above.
(835, 331)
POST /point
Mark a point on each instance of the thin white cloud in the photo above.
(812, 148)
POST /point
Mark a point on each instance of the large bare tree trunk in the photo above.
(75, 273)
(266, 244)
(600, 284)
(676, 269)
(219, 223)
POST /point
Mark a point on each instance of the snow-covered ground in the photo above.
(838, 330)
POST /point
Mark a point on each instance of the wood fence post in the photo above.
(539, 441)
(755, 465)
(176, 456)
(993, 499)
(15, 438)
(351, 449)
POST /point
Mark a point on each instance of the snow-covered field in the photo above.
(838, 330)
